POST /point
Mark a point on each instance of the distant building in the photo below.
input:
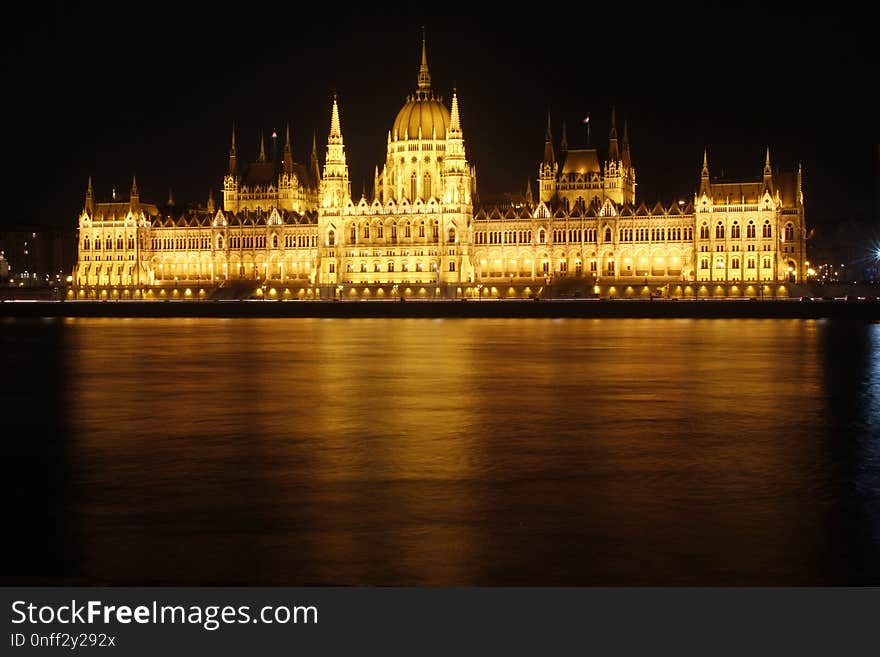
(37, 258)
(296, 231)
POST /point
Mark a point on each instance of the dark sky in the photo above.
(113, 89)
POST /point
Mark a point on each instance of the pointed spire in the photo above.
(233, 159)
(211, 201)
(335, 129)
(288, 152)
(549, 155)
(529, 198)
(424, 75)
(134, 186)
(262, 148)
(705, 186)
(170, 198)
(613, 152)
(90, 198)
(316, 169)
(134, 199)
(455, 119)
(563, 145)
(767, 169)
(627, 161)
(376, 183)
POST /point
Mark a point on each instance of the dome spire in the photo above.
(424, 75)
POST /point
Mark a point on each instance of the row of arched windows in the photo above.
(751, 231)
(121, 243)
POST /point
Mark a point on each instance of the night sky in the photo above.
(153, 89)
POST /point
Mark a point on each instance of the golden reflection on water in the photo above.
(321, 451)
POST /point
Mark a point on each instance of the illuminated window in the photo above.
(408, 230)
(363, 267)
(332, 268)
(451, 235)
(274, 241)
(750, 230)
(542, 236)
(390, 266)
(353, 235)
(704, 264)
(451, 265)
(704, 232)
(412, 187)
(331, 238)
(766, 263)
(380, 231)
(719, 231)
(734, 263)
(366, 232)
(750, 263)
(767, 232)
(426, 186)
(421, 230)
(734, 231)
(607, 234)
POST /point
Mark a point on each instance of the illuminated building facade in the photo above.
(294, 231)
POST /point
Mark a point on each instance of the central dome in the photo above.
(421, 111)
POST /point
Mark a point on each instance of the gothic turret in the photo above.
(134, 200)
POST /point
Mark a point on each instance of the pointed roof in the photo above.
(613, 152)
(627, 161)
(134, 186)
(262, 157)
(335, 129)
(424, 74)
(563, 145)
(705, 171)
(455, 119)
(549, 155)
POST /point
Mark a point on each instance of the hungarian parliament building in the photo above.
(287, 230)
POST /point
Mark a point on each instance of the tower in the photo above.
(231, 179)
(335, 185)
(548, 168)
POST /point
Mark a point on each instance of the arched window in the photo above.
(86, 245)
(426, 186)
(407, 230)
(377, 267)
(750, 230)
(274, 241)
(353, 236)
(390, 266)
(422, 229)
(607, 234)
(789, 232)
(734, 231)
(394, 231)
(412, 186)
(768, 231)
(331, 238)
(367, 232)
(452, 235)
(108, 243)
(363, 267)
(719, 231)
(219, 241)
(542, 236)
(704, 232)
(452, 265)
(119, 244)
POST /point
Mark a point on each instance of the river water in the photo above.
(441, 452)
